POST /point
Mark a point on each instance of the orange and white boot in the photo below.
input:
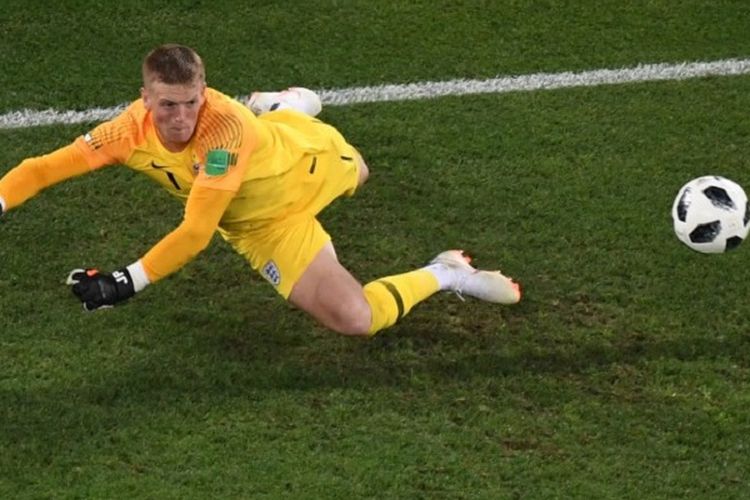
(455, 273)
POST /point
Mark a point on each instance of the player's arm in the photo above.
(204, 209)
(35, 174)
(224, 169)
(108, 143)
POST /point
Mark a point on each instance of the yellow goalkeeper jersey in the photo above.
(239, 173)
(231, 150)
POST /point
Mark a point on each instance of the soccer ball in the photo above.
(710, 214)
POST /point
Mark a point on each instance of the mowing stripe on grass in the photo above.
(428, 90)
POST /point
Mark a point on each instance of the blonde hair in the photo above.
(173, 64)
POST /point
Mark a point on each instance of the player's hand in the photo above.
(98, 290)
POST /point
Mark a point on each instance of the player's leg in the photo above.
(300, 262)
(331, 295)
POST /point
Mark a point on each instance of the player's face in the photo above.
(175, 110)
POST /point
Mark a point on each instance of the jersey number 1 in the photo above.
(174, 181)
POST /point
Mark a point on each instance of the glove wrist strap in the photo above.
(138, 275)
(123, 283)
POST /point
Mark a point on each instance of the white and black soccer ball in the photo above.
(710, 214)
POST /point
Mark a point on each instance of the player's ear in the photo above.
(203, 91)
(145, 97)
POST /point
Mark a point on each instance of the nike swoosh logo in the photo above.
(158, 167)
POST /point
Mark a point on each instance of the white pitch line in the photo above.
(428, 90)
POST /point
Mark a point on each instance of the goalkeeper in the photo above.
(259, 175)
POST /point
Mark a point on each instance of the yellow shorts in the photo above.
(281, 250)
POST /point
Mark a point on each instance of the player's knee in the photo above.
(354, 319)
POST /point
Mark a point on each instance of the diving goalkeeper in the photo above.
(259, 175)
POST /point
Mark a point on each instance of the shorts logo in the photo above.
(271, 272)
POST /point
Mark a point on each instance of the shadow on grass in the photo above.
(190, 370)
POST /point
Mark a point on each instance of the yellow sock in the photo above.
(392, 297)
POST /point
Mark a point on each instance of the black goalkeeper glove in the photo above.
(97, 290)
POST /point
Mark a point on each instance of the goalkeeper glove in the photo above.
(97, 290)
